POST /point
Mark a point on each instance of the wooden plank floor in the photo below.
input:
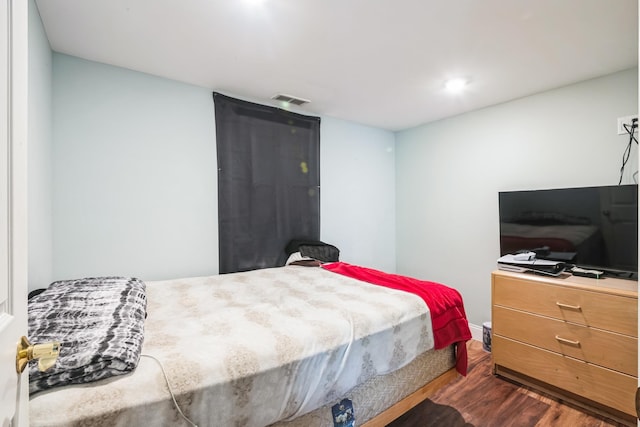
(484, 400)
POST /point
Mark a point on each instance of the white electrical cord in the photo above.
(170, 391)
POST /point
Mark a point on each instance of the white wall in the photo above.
(449, 173)
(134, 189)
(135, 183)
(39, 154)
(357, 177)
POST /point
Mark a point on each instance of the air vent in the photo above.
(290, 99)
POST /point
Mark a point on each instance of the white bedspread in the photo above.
(249, 349)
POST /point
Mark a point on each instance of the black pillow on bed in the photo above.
(36, 292)
(315, 249)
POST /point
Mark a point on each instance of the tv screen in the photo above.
(589, 227)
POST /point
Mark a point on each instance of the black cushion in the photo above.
(314, 249)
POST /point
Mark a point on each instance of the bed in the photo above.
(277, 346)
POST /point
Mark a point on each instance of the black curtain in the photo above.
(268, 182)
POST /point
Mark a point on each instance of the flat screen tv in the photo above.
(589, 227)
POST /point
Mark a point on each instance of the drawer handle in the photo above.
(566, 341)
(570, 307)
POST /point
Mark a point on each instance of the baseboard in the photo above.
(476, 332)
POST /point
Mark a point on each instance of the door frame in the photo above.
(14, 202)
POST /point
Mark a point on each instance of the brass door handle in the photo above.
(46, 354)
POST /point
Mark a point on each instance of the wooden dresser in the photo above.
(573, 337)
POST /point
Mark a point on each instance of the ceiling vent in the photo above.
(290, 99)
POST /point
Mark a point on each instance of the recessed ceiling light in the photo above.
(455, 85)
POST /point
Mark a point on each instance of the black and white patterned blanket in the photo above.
(99, 323)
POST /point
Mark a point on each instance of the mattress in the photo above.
(251, 349)
(381, 392)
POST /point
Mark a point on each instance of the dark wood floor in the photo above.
(484, 400)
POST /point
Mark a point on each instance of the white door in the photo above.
(638, 390)
(13, 208)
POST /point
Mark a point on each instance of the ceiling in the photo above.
(381, 63)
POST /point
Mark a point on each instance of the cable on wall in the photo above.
(627, 151)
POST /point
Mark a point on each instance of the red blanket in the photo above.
(445, 304)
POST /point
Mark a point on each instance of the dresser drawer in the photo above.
(607, 349)
(599, 310)
(598, 384)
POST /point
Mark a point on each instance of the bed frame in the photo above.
(414, 399)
